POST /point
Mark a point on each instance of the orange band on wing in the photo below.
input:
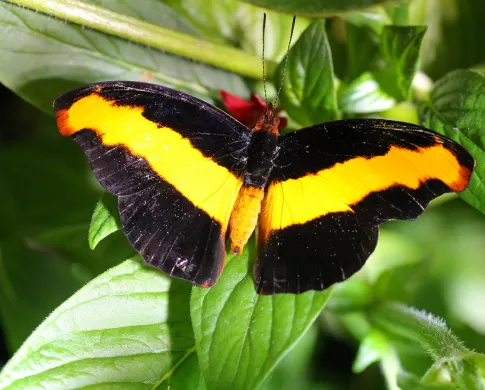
(209, 186)
(336, 189)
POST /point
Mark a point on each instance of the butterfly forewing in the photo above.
(175, 163)
(330, 187)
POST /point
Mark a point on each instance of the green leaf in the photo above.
(241, 335)
(105, 220)
(51, 56)
(316, 8)
(150, 34)
(308, 93)
(470, 140)
(400, 48)
(364, 95)
(457, 110)
(459, 98)
(129, 328)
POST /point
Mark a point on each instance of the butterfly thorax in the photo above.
(262, 151)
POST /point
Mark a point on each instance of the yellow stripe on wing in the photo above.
(209, 186)
(336, 189)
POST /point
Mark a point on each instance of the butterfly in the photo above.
(187, 174)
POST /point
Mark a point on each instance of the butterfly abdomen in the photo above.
(244, 216)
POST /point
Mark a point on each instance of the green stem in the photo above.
(132, 29)
(430, 332)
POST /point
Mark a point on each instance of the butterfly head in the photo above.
(269, 121)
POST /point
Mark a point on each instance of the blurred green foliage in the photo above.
(130, 327)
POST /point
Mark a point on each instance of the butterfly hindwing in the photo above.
(333, 183)
(175, 163)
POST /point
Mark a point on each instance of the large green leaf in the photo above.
(43, 57)
(241, 335)
(308, 93)
(129, 328)
(457, 109)
(316, 8)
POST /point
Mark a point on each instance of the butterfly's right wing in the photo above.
(174, 162)
(334, 183)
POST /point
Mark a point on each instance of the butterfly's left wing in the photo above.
(174, 162)
(333, 184)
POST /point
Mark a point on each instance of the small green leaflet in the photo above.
(105, 220)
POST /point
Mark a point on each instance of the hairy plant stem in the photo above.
(144, 33)
(435, 337)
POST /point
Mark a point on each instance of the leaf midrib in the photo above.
(96, 54)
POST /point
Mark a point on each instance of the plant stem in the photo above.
(144, 33)
(431, 332)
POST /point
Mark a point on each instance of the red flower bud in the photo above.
(248, 112)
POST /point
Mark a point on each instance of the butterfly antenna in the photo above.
(286, 61)
(264, 72)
